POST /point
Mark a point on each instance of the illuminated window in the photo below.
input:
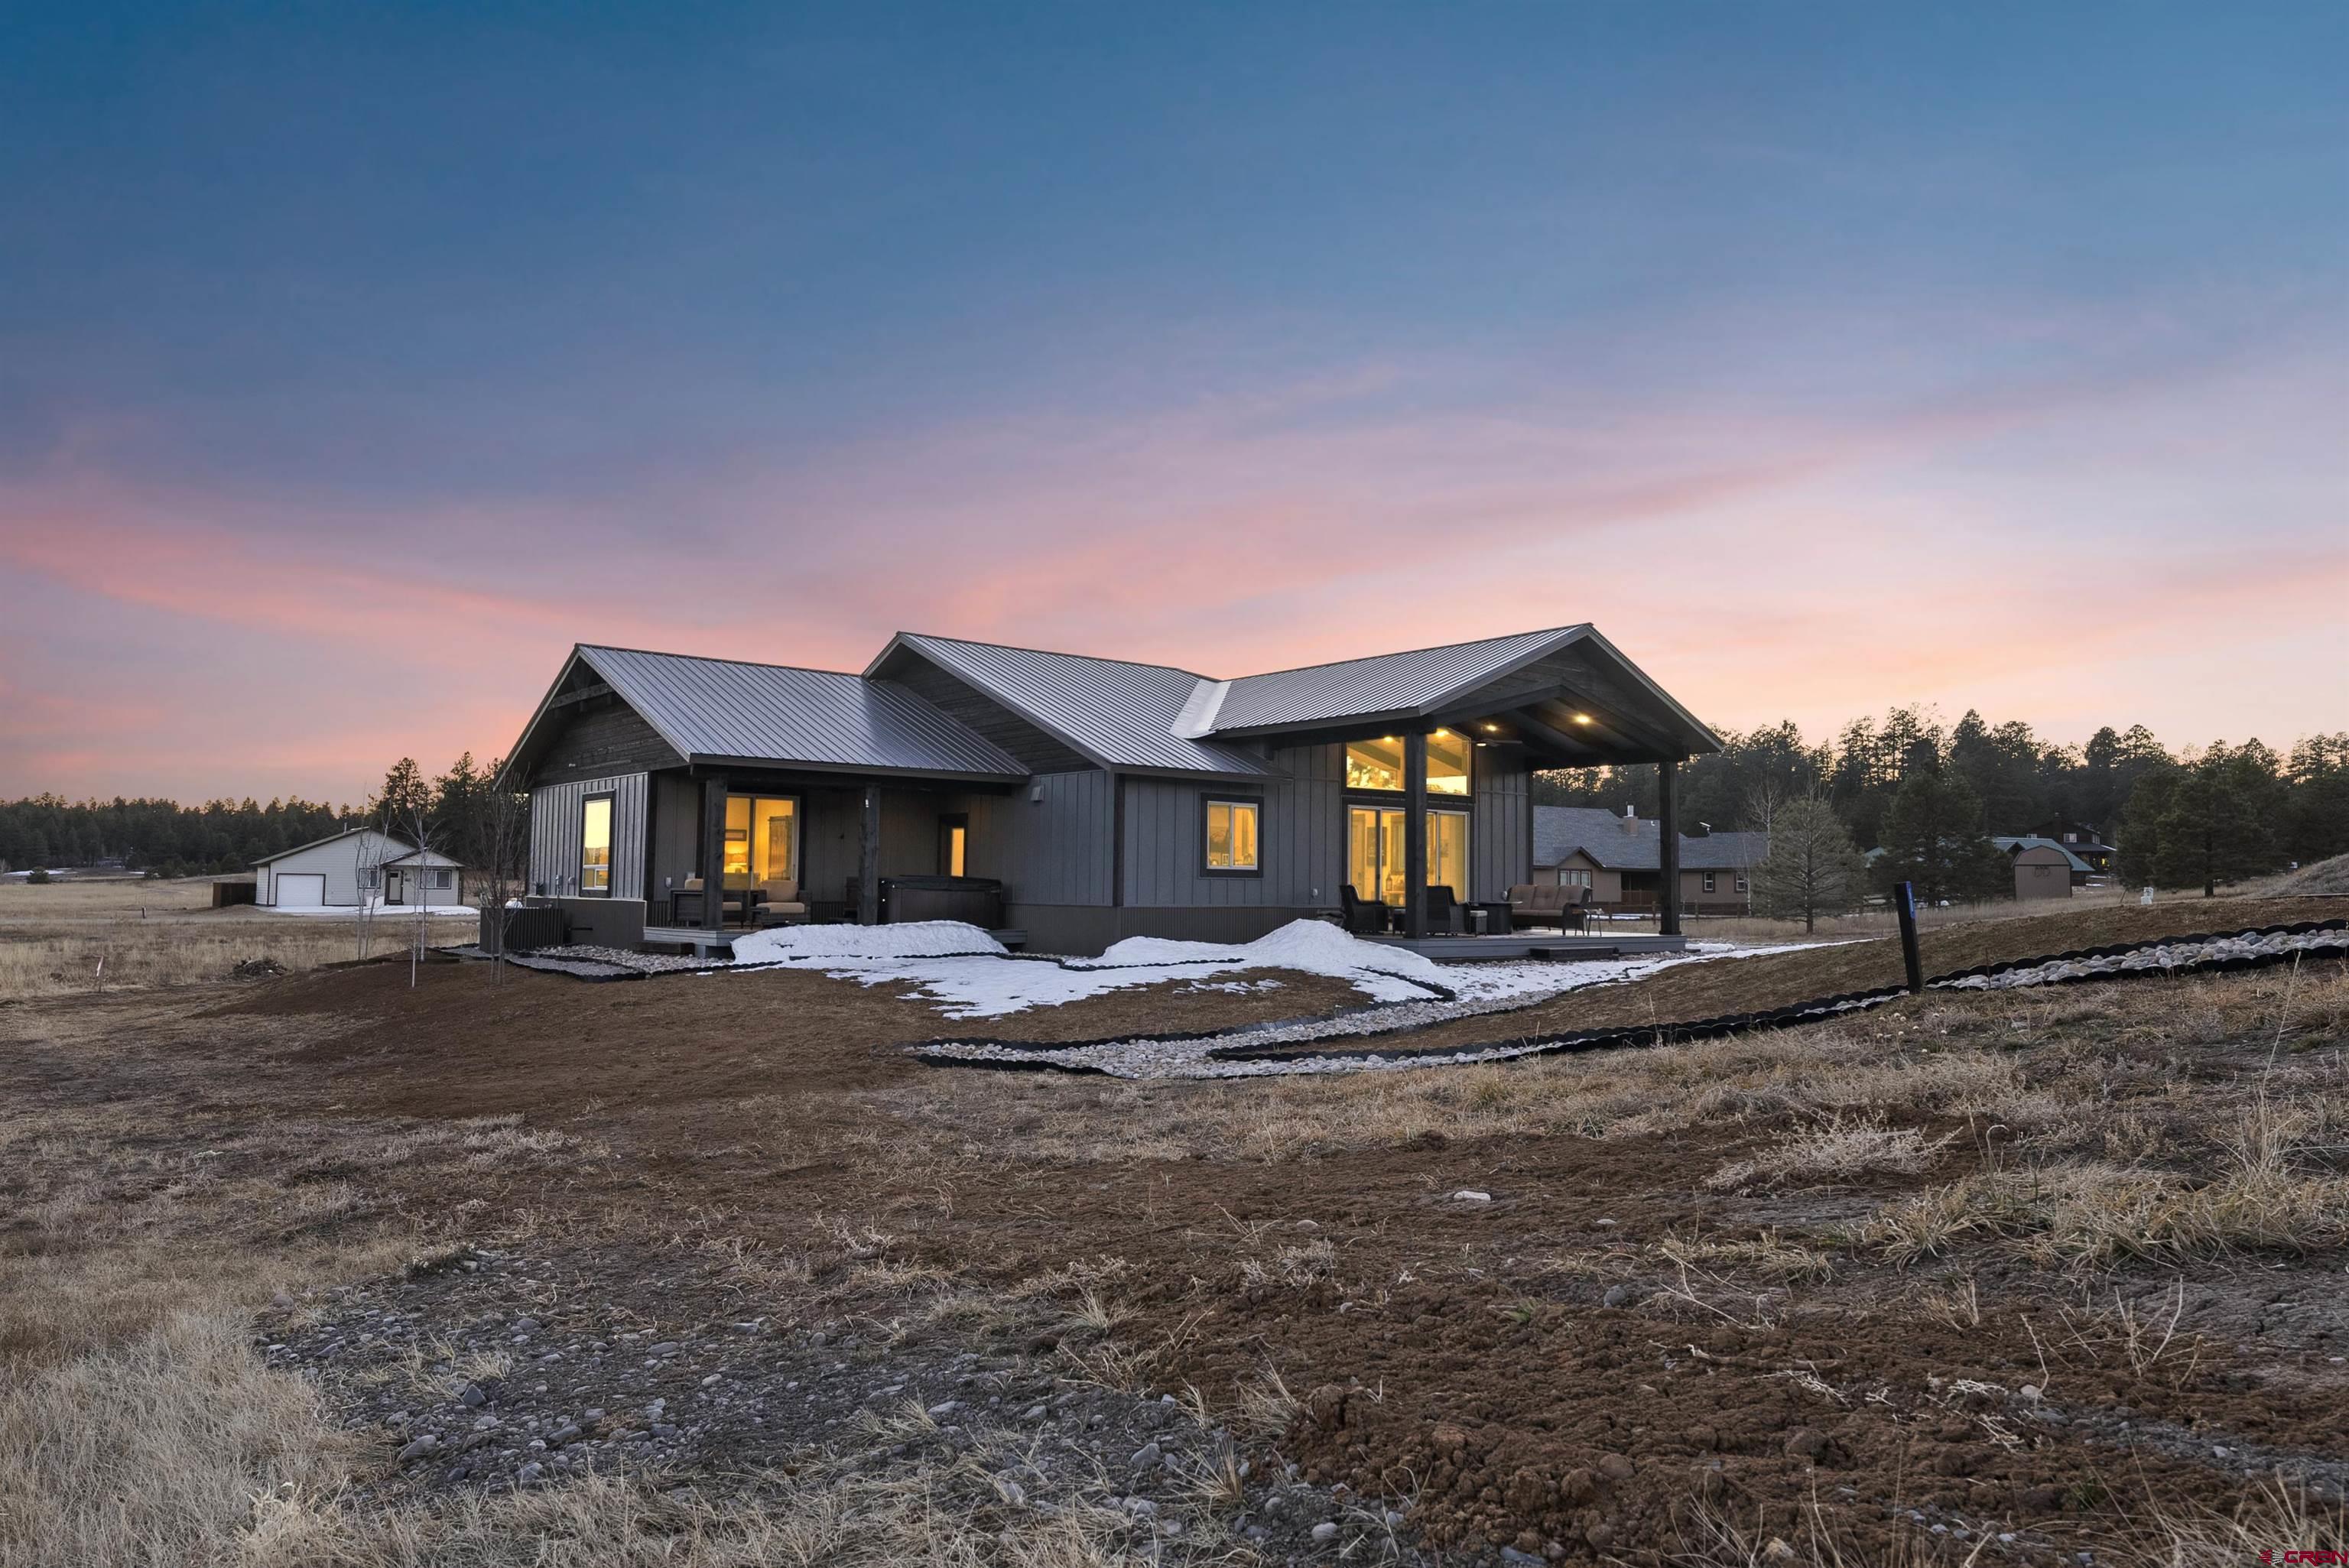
(1231, 835)
(761, 841)
(1374, 852)
(1377, 764)
(596, 847)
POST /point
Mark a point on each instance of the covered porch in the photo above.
(805, 847)
(1410, 782)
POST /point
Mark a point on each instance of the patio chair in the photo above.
(778, 903)
(1444, 913)
(1363, 917)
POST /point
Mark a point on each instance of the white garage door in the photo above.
(301, 890)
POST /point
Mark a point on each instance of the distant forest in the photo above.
(221, 836)
(2178, 818)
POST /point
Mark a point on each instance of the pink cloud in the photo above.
(1761, 563)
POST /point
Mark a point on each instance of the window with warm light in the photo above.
(1231, 835)
(1377, 764)
(596, 847)
(762, 844)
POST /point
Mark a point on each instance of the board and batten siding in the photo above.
(1057, 848)
(1300, 836)
(1500, 823)
(554, 825)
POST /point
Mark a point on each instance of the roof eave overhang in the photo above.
(515, 767)
(708, 760)
(1461, 704)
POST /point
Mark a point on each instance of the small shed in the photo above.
(327, 874)
(2043, 867)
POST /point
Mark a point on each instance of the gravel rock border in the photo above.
(1233, 1053)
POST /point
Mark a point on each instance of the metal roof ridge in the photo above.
(714, 659)
(1430, 648)
(1048, 652)
(1197, 719)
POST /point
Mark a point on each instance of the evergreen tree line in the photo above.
(1932, 796)
(461, 811)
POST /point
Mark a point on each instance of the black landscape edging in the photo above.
(1630, 1036)
(1040, 1056)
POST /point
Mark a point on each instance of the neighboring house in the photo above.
(423, 876)
(2044, 868)
(329, 872)
(2083, 843)
(1621, 859)
(1107, 798)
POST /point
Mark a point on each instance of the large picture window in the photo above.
(1374, 852)
(1230, 836)
(1377, 764)
(596, 847)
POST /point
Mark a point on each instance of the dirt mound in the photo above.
(2326, 878)
(468, 1041)
(1711, 990)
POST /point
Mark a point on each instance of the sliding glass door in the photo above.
(1374, 851)
(762, 841)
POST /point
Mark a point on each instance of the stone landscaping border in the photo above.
(1246, 1056)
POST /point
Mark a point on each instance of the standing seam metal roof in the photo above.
(1386, 683)
(717, 708)
(1120, 714)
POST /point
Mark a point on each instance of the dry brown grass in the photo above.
(70, 937)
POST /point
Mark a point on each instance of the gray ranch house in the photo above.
(1068, 800)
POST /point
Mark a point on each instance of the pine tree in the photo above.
(1933, 839)
(2316, 819)
(405, 796)
(2215, 818)
(1811, 868)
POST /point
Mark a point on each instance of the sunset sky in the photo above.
(355, 361)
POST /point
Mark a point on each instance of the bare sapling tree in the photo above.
(418, 828)
(503, 824)
(367, 873)
(1811, 868)
(1763, 801)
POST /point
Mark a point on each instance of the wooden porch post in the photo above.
(868, 860)
(713, 853)
(1414, 834)
(1668, 850)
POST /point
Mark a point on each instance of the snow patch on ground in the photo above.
(913, 939)
(965, 974)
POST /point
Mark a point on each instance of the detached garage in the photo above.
(331, 873)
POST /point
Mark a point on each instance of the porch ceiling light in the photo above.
(1582, 719)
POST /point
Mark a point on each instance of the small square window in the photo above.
(1231, 835)
(1709, 879)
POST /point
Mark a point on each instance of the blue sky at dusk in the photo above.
(356, 361)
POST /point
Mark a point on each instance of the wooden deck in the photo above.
(1531, 945)
(711, 944)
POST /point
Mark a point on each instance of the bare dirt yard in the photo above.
(708, 1270)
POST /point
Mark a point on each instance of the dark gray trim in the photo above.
(1230, 798)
